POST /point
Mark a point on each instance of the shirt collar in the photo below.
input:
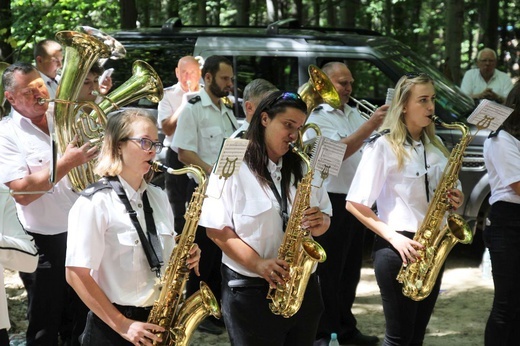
(130, 192)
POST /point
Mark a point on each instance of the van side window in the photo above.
(281, 71)
(370, 83)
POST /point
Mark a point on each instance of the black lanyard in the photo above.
(282, 200)
(426, 182)
(151, 246)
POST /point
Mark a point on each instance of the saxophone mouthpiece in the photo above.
(42, 101)
(159, 167)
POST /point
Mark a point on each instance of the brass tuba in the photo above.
(3, 66)
(319, 89)
(177, 315)
(418, 278)
(82, 51)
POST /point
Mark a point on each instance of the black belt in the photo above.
(247, 282)
(134, 312)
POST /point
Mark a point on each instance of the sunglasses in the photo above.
(285, 96)
(417, 74)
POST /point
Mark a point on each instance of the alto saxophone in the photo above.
(419, 277)
(298, 250)
(177, 315)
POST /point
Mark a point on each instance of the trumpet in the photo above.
(368, 108)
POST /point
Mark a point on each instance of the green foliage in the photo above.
(36, 20)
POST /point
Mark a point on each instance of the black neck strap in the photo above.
(282, 200)
(152, 247)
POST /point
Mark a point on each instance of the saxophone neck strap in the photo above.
(282, 199)
(151, 245)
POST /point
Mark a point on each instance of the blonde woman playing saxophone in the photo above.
(400, 171)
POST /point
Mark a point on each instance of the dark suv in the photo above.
(282, 55)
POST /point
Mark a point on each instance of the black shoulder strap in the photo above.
(495, 133)
(95, 187)
(194, 99)
(151, 248)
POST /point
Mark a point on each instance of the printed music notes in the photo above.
(490, 115)
(327, 156)
(230, 157)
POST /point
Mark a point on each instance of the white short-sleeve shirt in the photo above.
(202, 127)
(502, 158)
(25, 149)
(473, 83)
(337, 124)
(103, 238)
(400, 194)
(171, 100)
(252, 211)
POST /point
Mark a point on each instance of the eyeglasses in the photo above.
(487, 60)
(146, 144)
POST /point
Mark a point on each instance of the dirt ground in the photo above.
(459, 317)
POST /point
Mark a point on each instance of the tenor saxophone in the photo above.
(177, 315)
(419, 277)
(298, 250)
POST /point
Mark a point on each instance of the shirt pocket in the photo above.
(249, 219)
(131, 252)
(167, 239)
(37, 161)
(212, 136)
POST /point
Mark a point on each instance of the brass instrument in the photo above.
(418, 278)
(319, 89)
(177, 315)
(368, 108)
(82, 50)
(298, 250)
(3, 66)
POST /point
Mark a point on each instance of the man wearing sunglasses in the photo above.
(343, 243)
(485, 81)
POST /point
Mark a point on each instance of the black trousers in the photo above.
(177, 189)
(502, 237)
(98, 333)
(209, 265)
(47, 293)
(249, 321)
(341, 272)
(406, 320)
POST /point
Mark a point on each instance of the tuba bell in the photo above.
(3, 66)
(83, 48)
(319, 89)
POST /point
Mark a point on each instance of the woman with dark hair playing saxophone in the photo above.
(248, 221)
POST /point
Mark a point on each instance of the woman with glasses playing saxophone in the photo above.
(247, 223)
(112, 263)
(400, 171)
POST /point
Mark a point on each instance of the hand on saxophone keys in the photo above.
(456, 198)
(408, 249)
(315, 221)
(274, 271)
(194, 258)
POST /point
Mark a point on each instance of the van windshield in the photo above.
(456, 106)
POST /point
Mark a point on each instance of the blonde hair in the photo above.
(118, 128)
(394, 119)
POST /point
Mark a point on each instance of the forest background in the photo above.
(447, 34)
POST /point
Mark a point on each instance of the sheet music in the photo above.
(490, 115)
(230, 157)
(328, 155)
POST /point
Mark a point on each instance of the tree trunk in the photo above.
(243, 8)
(201, 13)
(453, 39)
(6, 51)
(349, 13)
(128, 12)
(490, 25)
